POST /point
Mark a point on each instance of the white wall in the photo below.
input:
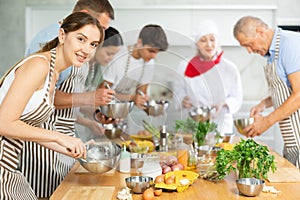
(179, 21)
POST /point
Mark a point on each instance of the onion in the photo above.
(166, 169)
(181, 166)
(177, 167)
(171, 160)
(163, 160)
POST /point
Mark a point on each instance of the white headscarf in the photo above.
(204, 28)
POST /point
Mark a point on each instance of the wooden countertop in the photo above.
(201, 189)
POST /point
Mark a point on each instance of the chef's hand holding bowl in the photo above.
(259, 126)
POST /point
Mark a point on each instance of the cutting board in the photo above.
(284, 174)
(82, 170)
(89, 193)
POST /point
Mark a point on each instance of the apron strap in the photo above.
(277, 42)
(128, 63)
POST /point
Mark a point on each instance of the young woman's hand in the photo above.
(74, 146)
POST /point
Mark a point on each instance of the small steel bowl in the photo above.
(250, 186)
(117, 109)
(138, 184)
(201, 114)
(156, 107)
(113, 131)
(101, 157)
(240, 124)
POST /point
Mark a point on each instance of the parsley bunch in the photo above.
(252, 160)
(202, 130)
(187, 125)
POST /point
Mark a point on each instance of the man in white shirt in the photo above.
(133, 66)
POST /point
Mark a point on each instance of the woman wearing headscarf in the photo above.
(210, 79)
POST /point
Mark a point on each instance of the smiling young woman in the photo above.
(28, 102)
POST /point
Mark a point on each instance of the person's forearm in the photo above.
(82, 121)
(68, 100)
(267, 102)
(54, 146)
(22, 131)
(286, 109)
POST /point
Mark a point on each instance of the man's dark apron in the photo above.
(290, 126)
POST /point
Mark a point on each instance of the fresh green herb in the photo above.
(202, 130)
(250, 159)
(186, 126)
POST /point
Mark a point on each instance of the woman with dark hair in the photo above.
(98, 64)
(27, 102)
(104, 54)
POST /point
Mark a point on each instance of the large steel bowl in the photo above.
(101, 157)
(156, 107)
(240, 124)
(250, 186)
(117, 109)
(201, 114)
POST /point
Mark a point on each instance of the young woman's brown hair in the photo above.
(72, 23)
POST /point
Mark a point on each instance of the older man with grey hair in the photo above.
(282, 50)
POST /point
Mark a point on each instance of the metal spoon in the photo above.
(108, 87)
(140, 92)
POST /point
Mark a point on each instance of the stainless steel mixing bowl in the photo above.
(138, 184)
(117, 109)
(156, 107)
(250, 186)
(101, 157)
(201, 114)
(113, 131)
(240, 124)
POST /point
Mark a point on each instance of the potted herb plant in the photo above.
(248, 158)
